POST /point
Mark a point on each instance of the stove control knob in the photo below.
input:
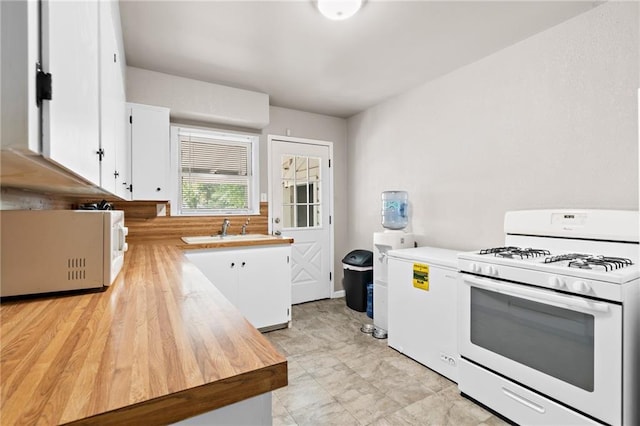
(475, 268)
(556, 282)
(581, 287)
(492, 271)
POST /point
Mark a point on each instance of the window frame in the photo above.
(219, 135)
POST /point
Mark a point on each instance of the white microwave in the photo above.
(46, 251)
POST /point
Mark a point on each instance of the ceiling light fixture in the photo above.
(339, 10)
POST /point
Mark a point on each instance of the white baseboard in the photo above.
(337, 294)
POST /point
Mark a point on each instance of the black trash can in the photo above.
(358, 272)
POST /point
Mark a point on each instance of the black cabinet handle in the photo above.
(244, 263)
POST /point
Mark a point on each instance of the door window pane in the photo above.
(314, 169)
(301, 169)
(287, 167)
(288, 192)
(555, 341)
(301, 220)
(314, 192)
(287, 216)
(303, 193)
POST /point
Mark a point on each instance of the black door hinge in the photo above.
(330, 276)
(43, 85)
(131, 119)
(287, 259)
(329, 163)
(329, 220)
(100, 153)
(130, 188)
(114, 60)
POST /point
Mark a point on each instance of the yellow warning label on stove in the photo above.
(421, 276)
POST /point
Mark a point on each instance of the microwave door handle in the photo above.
(537, 296)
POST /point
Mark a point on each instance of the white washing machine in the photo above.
(422, 297)
(383, 242)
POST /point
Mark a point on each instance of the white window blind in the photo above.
(216, 173)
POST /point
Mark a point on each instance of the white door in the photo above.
(301, 190)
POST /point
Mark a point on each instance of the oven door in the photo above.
(565, 347)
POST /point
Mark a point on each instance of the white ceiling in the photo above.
(306, 62)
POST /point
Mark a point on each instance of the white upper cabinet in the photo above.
(71, 119)
(149, 141)
(77, 122)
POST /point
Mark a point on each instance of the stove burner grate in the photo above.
(563, 257)
(495, 250)
(511, 252)
(608, 263)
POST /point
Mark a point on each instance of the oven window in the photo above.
(556, 341)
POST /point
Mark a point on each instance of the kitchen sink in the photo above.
(205, 239)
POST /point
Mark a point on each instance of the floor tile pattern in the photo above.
(341, 376)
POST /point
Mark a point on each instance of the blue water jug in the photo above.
(395, 214)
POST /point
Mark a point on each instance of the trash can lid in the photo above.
(359, 258)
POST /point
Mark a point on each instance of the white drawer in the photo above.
(513, 401)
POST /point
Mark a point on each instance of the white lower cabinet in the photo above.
(257, 281)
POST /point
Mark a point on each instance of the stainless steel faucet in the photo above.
(244, 227)
(225, 225)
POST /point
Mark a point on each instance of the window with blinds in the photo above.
(216, 173)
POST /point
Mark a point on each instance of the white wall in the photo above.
(321, 127)
(548, 122)
(190, 99)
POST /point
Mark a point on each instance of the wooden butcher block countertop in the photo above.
(160, 345)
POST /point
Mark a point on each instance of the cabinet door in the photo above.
(149, 152)
(221, 268)
(265, 286)
(70, 127)
(111, 99)
(116, 164)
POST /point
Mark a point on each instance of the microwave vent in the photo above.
(76, 268)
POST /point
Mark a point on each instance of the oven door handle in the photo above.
(537, 296)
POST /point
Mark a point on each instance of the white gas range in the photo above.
(549, 323)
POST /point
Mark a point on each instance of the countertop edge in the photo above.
(191, 402)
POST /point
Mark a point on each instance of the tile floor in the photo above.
(341, 376)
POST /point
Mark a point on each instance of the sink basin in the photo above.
(204, 239)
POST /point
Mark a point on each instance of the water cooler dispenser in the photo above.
(395, 219)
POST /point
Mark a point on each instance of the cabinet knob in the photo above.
(158, 189)
(233, 264)
(243, 263)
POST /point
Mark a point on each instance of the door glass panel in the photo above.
(301, 169)
(287, 167)
(302, 192)
(287, 216)
(302, 217)
(314, 192)
(555, 341)
(314, 169)
(288, 193)
(317, 215)
(301, 186)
